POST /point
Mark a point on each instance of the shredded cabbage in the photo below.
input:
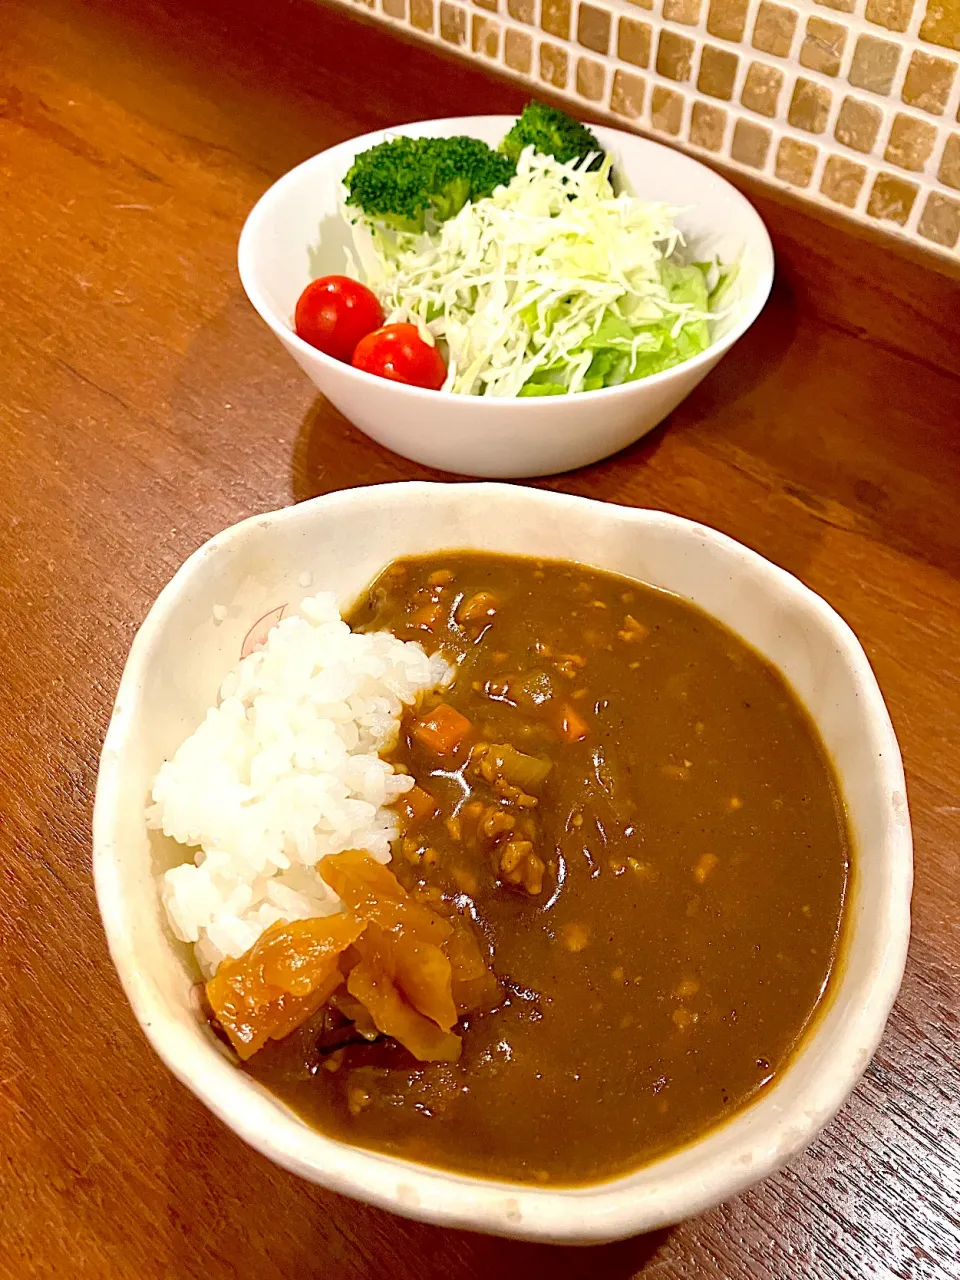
(551, 285)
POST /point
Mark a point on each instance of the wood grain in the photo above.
(144, 406)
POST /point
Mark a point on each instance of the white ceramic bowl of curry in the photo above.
(344, 540)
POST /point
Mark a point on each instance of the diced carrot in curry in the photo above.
(441, 730)
(479, 608)
(573, 726)
(417, 805)
(426, 617)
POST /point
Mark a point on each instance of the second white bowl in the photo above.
(295, 233)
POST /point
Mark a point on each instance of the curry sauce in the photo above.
(634, 816)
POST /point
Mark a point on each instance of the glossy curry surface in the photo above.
(640, 820)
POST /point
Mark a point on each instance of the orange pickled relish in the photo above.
(412, 937)
(473, 983)
(285, 977)
(373, 892)
(423, 973)
(412, 971)
(375, 982)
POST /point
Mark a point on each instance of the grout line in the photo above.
(778, 127)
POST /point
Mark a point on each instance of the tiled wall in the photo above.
(852, 104)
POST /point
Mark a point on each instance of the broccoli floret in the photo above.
(465, 169)
(402, 182)
(552, 133)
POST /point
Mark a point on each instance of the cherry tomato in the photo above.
(398, 352)
(334, 313)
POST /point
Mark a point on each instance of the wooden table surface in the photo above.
(144, 406)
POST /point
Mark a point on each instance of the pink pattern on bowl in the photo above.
(256, 637)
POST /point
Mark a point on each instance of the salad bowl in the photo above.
(296, 232)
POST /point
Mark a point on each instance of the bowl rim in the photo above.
(590, 1213)
(758, 240)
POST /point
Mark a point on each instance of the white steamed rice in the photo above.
(284, 770)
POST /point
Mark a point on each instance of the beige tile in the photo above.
(666, 110)
(522, 11)
(593, 28)
(892, 14)
(941, 23)
(687, 11)
(718, 71)
(751, 142)
(842, 6)
(395, 8)
(453, 24)
(641, 4)
(517, 51)
(421, 14)
(485, 36)
(707, 124)
(795, 162)
(553, 65)
(858, 124)
(626, 97)
(555, 18)
(940, 220)
(874, 64)
(726, 19)
(809, 106)
(591, 79)
(674, 55)
(774, 28)
(949, 171)
(633, 42)
(491, 5)
(822, 48)
(891, 198)
(842, 180)
(928, 83)
(761, 89)
(910, 142)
